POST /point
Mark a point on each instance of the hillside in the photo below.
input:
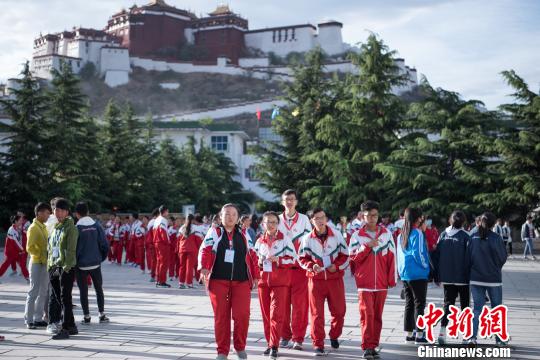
(195, 91)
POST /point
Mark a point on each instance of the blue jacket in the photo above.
(92, 247)
(449, 258)
(413, 262)
(485, 258)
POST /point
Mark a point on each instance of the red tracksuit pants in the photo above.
(139, 253)
(8, 261)
(230, 299)
(295, 328)
(173, 262)
(187, 261)
(162, 263)
(273, 301)
(320, 291)
(371, 312)
(118, 251)
(151, 259)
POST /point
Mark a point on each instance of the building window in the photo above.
(279, 36)
(274, 36)
(286, 34)
(251, 173)
(293, 35)
(220, 143)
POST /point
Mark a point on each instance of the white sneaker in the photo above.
(53, 328)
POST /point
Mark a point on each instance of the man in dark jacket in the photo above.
(92, 250)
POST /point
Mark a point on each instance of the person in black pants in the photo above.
(92, 250)
(450, 267)
(62, 245)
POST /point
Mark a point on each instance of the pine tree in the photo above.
(75, 153)
(24, 172)
(520, 150)
(446, 159)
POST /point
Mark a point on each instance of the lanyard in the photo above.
(230, 237)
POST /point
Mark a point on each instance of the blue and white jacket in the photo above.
(413, 261)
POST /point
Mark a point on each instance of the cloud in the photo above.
(460, 45)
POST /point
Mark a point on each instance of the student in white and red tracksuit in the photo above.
(173, 251)
(14, 250)
(124, 235)
(372, 251)
(149, 247)
(229, 267)
(276, 257)
(324, 254)
(294, 225)
(162, 245)
(137, 235)
(189, 238)
(113, 236)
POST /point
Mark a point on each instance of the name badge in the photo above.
(56, 252)
(327, 261)
(267, 266)
(229, 256)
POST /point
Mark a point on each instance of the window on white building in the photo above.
(220, 143)
(251, 173)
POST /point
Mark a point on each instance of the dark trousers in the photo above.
(509, 247)
(60, 298)
(415, 302)
(450, 294)
(97, 280)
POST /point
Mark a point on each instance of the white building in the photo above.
(79, 47)
(228, 139)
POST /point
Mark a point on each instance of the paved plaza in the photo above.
(171, 323)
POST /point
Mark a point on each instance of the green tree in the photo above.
(446, 159)
(520, 150)
(25, 176)
(75, 153)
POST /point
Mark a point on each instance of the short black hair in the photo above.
(369, 205)
(41, 206)
(81, 208)
(457, 219)
(290, 192)
(529, 217)
(155, 212)
(15, 218)
(135, 215)
(311, 213)
(271, 213)
(162, 209)
(62, 203)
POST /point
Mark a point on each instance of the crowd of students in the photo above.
(297, 263)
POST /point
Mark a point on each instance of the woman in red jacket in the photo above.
(276, 257)
(189, 240)
(228, 263)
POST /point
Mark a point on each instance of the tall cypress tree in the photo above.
(75, 154)
(520, 149)
(25, 175)
(446, 159)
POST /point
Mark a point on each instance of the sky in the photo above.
(459, 45)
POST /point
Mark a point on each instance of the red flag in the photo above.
(258, 114)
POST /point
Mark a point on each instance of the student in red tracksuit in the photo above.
(173, 251)
(372, 251)
(324, 254)
(13, 250)
(229, 267)
(150, 249)
(124, 235)
(276, 257)
(162, 245)
(136, 240)
(294, 225)
(188, 247)
(115, 241)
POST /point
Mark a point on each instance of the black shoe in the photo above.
(334, 343)
(86, 320)
(267, 352)
(163, 285)
(40, 323)
(31, 326)
(319, 352)
(376, 354)
(420, 341)
(410, 339)
(103, 319)
(368, 354)
(62, 335)
(73, 330)
(273, 354)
